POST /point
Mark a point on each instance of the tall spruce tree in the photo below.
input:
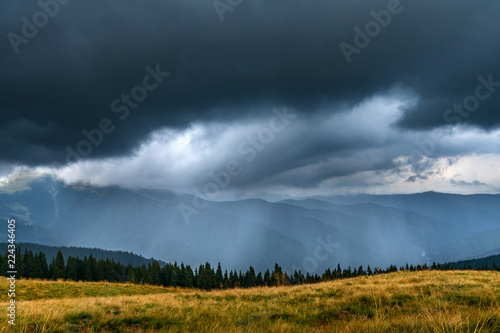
(219, 280)
(267, 278)
(59, 267)
(277, 277)
(250, 279)
(72, 269)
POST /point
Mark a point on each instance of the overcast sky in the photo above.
(280, 97)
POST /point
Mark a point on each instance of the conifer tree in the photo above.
(72, 269)
(19, 262)
(28, 263)
(277, 278)
(90, 273)
(154, 273)
(219, 280)
(59, 267)
(250, 278)
(206, 280)
(267, 278)
(37, 272)
(259, 280)
(3, 266)
(188, 277)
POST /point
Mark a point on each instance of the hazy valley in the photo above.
(309, 235)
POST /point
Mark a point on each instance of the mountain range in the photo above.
(310, 234)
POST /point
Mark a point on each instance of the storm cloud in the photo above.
(362, 112)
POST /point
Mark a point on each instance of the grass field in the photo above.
(427, 301)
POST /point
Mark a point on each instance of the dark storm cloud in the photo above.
(264, 53)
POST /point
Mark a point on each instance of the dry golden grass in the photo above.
(27, 290)
(428, 301)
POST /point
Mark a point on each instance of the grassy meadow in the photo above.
(426, 301)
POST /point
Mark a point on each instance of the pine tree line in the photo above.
(35, 265)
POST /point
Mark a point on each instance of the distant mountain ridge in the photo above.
(50, 252)
(489, 262)
(309, 235)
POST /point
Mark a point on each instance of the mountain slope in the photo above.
(474, 246)
(50, 252)
(472, 213)
(309, 235)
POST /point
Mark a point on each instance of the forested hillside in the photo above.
(74, 251)
(482, 263)
(30, 264)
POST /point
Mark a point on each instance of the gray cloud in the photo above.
(314, 154)
(461, 183)
(263, 54)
